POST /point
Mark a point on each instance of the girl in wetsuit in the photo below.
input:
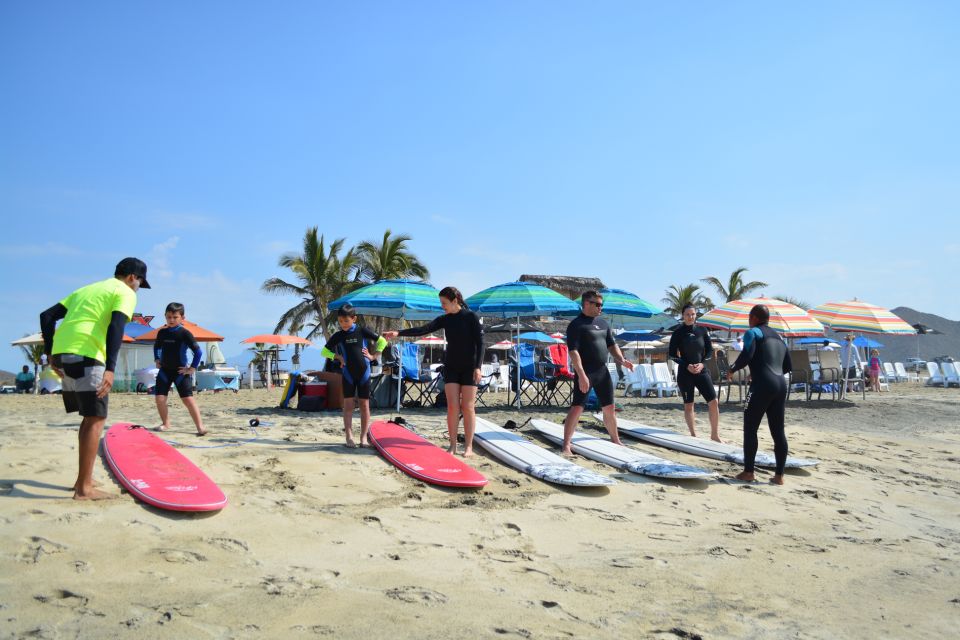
(690, 347)
(461, 364)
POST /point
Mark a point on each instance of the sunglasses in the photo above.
(597, 303)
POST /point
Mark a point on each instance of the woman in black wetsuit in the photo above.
(461, 364)
(690, 347)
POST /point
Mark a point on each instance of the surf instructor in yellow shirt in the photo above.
(83, 351)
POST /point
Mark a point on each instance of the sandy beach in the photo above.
(321, 540)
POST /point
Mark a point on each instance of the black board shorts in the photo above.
(601, 382)
(167, 378)
(462, 378)
(82, 377)
(351, 389)
(688, 382)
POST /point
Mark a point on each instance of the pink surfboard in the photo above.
(156, 473)
(421, 458)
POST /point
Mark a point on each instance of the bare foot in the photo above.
(746, 476)
(776, 479)
(693, 434)
(468, 453)
(76, 486)
(617, 441)
(202, 433)
(452, 450)
(93, 494)
(351, 443)
(716, 439)
(162, 427)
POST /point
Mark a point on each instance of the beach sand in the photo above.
(321, 540)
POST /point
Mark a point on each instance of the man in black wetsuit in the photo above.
(589, 339)
(769, 360)
(690, 348)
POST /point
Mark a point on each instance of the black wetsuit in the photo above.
(170, 349)
(592, 339)
(464, 336)
(769, 359)
(691, 344)
(349, 345)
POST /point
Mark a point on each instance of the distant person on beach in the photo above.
(589, 340)
(767, 355)
(351, 349)
(25, 380)
(690, 347)
(461, 362)
(170, 352)
(84, 351)
(875, 370)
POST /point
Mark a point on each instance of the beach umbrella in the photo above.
(789, 320)
(924, 330)
(639, 336)
(860, 317)
(626, 310)
(274, 338)
(521, 299)
(402, 299)
(199, 333)
(538, 336)
(503, 345)
(431, 341)
(559, 335)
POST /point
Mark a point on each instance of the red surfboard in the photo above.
(421, 458)
(156, 473)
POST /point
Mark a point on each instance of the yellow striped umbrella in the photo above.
(789, 320)
(861, 317)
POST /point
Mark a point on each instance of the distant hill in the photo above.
(6, 377)
(899, 348)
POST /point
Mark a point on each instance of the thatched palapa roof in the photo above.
(570, 286)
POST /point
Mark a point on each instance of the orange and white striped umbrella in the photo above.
(789, 320)
(861, 317)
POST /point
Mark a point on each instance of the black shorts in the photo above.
(81, 378)
(167, 378)
(359, 390)
(462, 378)
(688, 382)
(601, 382)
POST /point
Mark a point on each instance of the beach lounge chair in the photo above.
(890, 373)
(903, 374)
(951, 374)
(661, 374)
(614, 374)
(934, 377)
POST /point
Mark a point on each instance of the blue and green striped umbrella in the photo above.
(518, 299)
(627, 310)
(407, 299)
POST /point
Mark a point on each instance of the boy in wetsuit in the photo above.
(350, 347)
(84, 352)
(170, 353)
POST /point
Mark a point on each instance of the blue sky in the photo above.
(647, 144)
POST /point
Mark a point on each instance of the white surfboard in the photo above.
(701, 447)
(620, 456)
(519, 453)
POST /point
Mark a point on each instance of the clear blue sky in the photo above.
(644, 143)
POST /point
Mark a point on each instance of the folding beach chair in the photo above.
(533, 385)
(560, 381)
(417, 385)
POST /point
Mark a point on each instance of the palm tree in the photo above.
(323, 274)
(735, 288)
(797, 302)
(389, 260)
(678, 297)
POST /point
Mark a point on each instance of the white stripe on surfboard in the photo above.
(700, 447)
(620, 456)
(533, 459)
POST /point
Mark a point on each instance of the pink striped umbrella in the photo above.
(789, 320)
(861, 317)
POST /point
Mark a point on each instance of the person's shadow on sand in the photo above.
(14, 489)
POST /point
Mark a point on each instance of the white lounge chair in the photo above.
(903, 374)
(612, 368)
(890, 373)
(951, 375)
(935, 379)
(641, 378)
(661, 374)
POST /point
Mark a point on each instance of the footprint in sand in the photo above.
(229, 544)
(180, 556)
(417, 595)
(36, 547)
(141, 523)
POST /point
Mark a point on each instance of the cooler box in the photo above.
(312, 396)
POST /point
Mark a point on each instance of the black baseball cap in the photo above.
(135, 267)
